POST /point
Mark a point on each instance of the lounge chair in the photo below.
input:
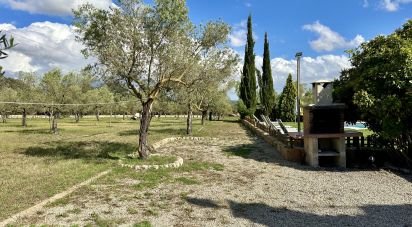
(286, 129)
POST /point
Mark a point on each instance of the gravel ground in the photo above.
(260, 189)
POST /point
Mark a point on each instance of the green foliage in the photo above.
(248, 81)
(378, 87)
(5, 44)
(306, 95)
(7, 95)
(243, 110)
(268, 93)
(287, 101)
(147, 48)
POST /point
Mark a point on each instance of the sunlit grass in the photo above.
(36, 164)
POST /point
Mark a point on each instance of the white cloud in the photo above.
(53, 7)
(365, 4)
(248, 4)
(393, 5)
(330, 40)
(42, 46)
(239, 34)
(17, 62)
(6, 27)
(323, 67)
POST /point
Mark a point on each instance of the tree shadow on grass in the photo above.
(162, 129)
(260, 213)
(169, 131)
(89, 150)
(231, 120)
(32, 131)
(242, 150)
(131, 132)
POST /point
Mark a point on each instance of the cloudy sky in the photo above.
(321, 29)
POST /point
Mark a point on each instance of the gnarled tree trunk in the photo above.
(210, 116)
(3, 117)
(204, 115)
(144, 127)
(24, 118)
(97, 114)
(54, 122)
(189, 119)
(77, 117)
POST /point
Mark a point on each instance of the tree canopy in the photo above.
(146, 48)
(378, 87)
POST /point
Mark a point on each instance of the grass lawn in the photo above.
(35, 164)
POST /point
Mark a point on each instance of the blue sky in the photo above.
(321, 29)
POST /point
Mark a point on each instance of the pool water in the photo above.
(358, 125)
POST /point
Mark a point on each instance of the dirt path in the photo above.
(253, 189)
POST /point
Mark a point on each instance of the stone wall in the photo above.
(293, 154)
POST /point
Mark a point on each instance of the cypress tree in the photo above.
(248, 81)
(260, 84)
(268, 93)
(287, 103)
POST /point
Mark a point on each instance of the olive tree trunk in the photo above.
(54, 122)
(204, 115)
(144, 127)
(98, 115)
(24, 118)
(189, 119)
(77, 117)
(3, 117)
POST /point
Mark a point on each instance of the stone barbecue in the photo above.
(324, 135)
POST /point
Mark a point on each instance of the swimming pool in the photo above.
(359, 125)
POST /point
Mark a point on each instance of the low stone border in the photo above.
(157, 145)
(176, 164)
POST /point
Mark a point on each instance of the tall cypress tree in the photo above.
(288, 100)
(268, 93)
(248, 81)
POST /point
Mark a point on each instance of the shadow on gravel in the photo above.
(259, 213)
(88, 150)
(373, 215)
(202, 202)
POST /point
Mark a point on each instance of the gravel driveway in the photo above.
(256, 189)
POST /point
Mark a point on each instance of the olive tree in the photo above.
(5, 44)
(7, 94)
(207, 79)
(27, 93)
(145, 48)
